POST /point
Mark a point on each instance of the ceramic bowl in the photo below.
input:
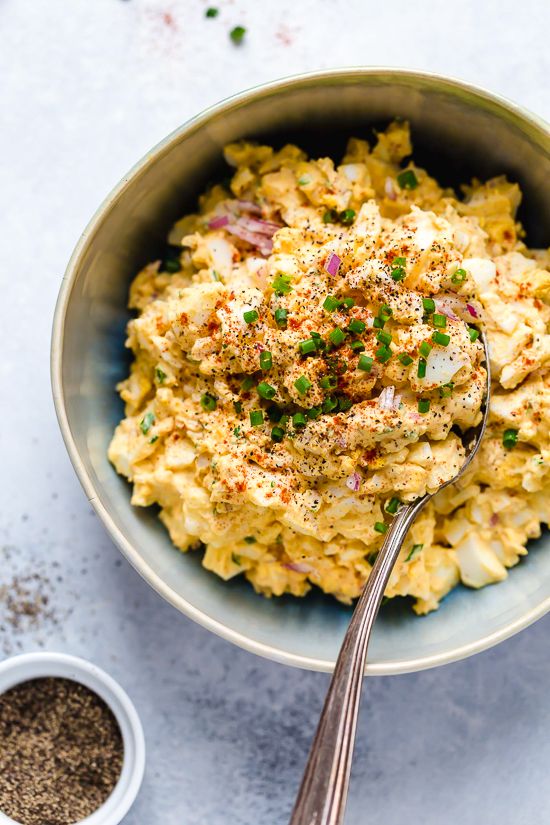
(459, 131)
(28, 666)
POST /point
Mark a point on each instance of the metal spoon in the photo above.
(322, 796)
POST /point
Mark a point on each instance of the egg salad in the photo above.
(306, 355)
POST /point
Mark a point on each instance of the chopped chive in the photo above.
(473, 333)
(510, 439)
(331, 303)
(238, 407)
(421, 372)
(211, 12)
(304, 180)
(284, 421)
(337, 336)
(250, 539)
(378, 323)
(383, 354)
(250, 316)
(299, 420)
(439, 321)
(329, 404)
(399, 261)
(149, 419)
(302, 385)
(237, 432)
(237, 34)
(344, 404)
(234, 558)
(398, 273)
(277, 434)
(380, 527)
(274, 413)
(160, 375)
(256, 418)
(266, 360)
(247, 384)
(357, 346)
(281, 317)
(281, 284)
(405, 359)
(153, 439)
(307, 347)
(393, 505)
(328, 382)
(385, 310)
(441, 338)
(347, 216)
(384, 337)
(348, 302)
(208, 402)
(365, 363)
(330, 216)
(423, 405)
(428, 304)
(314, 412)
(407, 179)
(416, 548)
(266, 391)
(425, 349)
(446, 390)
(459, 276)
(357, 326)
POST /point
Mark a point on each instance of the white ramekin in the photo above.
(19, 669)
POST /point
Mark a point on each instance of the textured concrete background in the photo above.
(86, 88)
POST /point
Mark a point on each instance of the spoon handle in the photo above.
(322, 796)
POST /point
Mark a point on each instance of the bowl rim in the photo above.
(23, 667)
(514, 113)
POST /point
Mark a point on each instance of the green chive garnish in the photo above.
(423, 405)
(281, 317)
(425, 349)
(428, 304)
(331, 303)
(302, 385)
(459, 276)
(256, 418)
(330, 216)
(385, 310)
(250, 316)
(357, 326)
(208, 402)
(439, 321)
(307, 347)
(383, 354)
(329, 404)
(211, 12)
(407, 179)
(405, 359)
(328, 382)
(344, 404)
(399, 262)
(380, 527)
(314, 413)
(392, 506)
(446, 390)
(250, 539)
(421, 368)
(398, 273)
(416, 548)
(347, 217)
(281, 284)
(348, 302)
(378, 323)
(384, 337)
(266, 360)
(357, 346)
(277, 434)
(237, 34)
(510, 439)
(266, 391)
(365, 363)
(247, 384)
(160, 375)
(441, 338)
(238, 407)
(149, 419)
(473, 333)
(337, 336)
(299, 420)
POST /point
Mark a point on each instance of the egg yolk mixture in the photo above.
(305, 355)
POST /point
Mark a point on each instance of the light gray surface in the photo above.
(86, 89)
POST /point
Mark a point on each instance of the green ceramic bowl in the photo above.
(459, 131)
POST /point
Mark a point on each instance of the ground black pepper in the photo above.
(61, 752)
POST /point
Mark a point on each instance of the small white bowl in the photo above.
(20, 669)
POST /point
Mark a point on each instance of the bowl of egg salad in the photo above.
(268, 341)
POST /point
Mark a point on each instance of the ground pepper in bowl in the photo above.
(61, 752)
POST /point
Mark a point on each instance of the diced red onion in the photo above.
(332, 264)
(298, 567)
(472, 310)
(354, 482)
(261, 242)
(385, 399)
(217, 223)
(445, 307)
(493, 521)
(262, 227)
(249, 206)
(390, 190)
